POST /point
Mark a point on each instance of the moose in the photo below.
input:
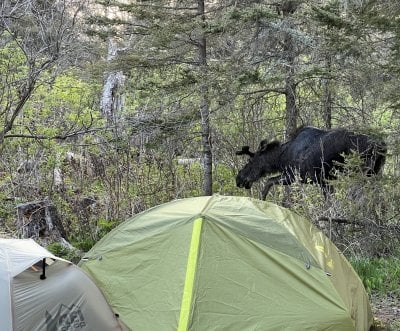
(311, 155)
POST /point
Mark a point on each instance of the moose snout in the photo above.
(242, 182)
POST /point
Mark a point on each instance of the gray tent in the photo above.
(39, 291)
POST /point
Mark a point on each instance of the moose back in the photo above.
(311, 156)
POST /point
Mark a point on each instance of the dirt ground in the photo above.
(386, 311)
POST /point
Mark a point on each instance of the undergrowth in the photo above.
(379, 275)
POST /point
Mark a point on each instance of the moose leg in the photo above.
(277, 180)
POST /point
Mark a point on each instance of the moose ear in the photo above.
(266, 147)
(263, 145)
(245, 151)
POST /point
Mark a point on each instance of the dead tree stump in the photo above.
(39, 220)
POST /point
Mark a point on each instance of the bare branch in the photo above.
(56, 137)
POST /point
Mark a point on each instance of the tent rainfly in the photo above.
(41, 292)
(226, 263)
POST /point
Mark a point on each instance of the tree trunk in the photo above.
(204, 106)
(288, 8)
(291, 107)
(327, 97)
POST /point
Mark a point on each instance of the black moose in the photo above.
(310, 155)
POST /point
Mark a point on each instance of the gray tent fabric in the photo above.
(60, 298)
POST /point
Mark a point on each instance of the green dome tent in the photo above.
(226, 263)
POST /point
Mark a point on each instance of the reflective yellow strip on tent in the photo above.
(190, 274)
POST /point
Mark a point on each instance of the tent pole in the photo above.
(43, 275)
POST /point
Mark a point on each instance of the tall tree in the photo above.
(169, 38)
(204, 102)
(288, 8)
(356, 41)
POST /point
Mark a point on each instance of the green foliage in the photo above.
(83, 243)
(105, 226)
(251, 13)
(380, 275)
(250, 77)
(330, 18)
(224, 181)
(12, 59)
(58, 250)
(61, 251)
(62, 108)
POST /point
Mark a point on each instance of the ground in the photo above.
(386, 311)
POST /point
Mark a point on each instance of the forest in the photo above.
(111, 107)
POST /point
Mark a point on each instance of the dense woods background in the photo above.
(110, 107)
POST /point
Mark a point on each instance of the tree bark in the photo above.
(289, 49)
(204, 106)
(327, 96)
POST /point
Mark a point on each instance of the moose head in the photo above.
(261, 163)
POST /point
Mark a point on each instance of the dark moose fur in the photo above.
(311, 155)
